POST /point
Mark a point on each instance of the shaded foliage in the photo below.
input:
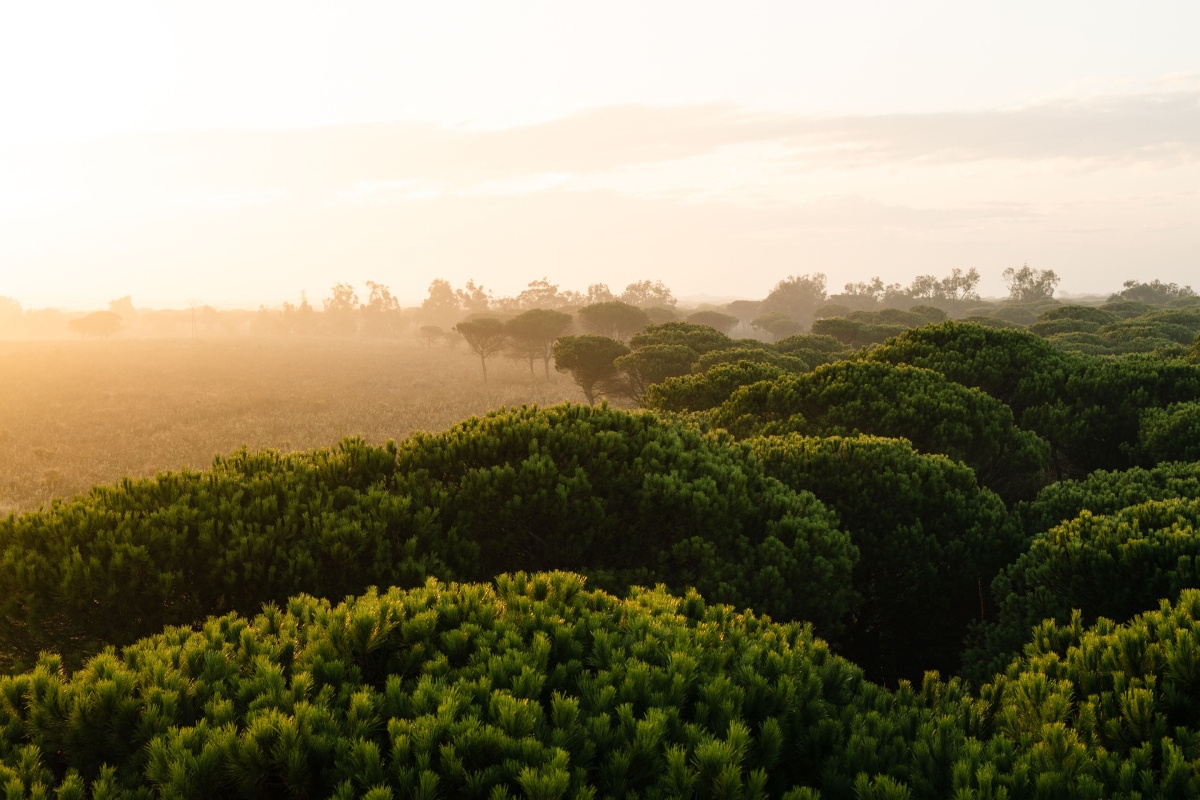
(711, 388)
(929, 538)
(1112, 566)
(1088, 409)
(625, 497)
(935, 414)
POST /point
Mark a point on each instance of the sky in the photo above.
(240, 153)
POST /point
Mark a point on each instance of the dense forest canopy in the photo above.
(890, 542)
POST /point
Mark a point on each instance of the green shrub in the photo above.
(935, 414)
(855, 333)
(711, 389)
(813, 342)
(1050, 327)
(929, 314)
(123, 561)
(1107, 711)
(628, 498)
(890, 316)
(538, 688)
(1171, 433)
(761, 355)
(1127, 309)
(1092, 314)
(532, 688)
(700, 338)
(992, 322)
(928, 538)
(1088, 409)
(1105, 492)
(1112, 566)
(651, 364)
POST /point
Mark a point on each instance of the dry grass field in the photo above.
(77, 413)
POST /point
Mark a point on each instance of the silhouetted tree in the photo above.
(341, 311)
(798, 296)
(485, 336)
(714, 319)
(474, 298)
(1026, 285)
(744, 310)
(124, 307)
(647, 293)
(1155, 293)
(652, 364)
(777, 324)
(613, 319)
(531, 335)
(10, 315)
(99, 323)
(442, 304)
(381, 313)
(660, 314)
(306, 317)
(540, 294)
(589, 360)
(599, 293)
(430, 334)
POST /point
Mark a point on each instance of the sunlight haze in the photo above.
(239, 153)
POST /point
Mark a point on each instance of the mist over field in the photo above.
(642, 400)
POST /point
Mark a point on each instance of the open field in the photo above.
(74, 414)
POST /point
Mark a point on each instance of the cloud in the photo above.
(1152, 128)
(710, 198)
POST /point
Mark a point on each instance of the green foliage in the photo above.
(1125, 309)
(532, 687)
(1093, 314)
(928, 538)
(1153, 293)
(1089, 409)
(650, 364)
(538, 688)
(855, 333)
(992, 322)
(928, 314)
(813, 342)
(710, 389)
(699, 338)
(1112, 566)
(1051, 327)
(894, 316)
(590, 361)
(1107, 711)
(627, 498)
(1105, 492)
(121, 562)
(630, 498)
(1171, 433)
(935, 414)
(759, 355)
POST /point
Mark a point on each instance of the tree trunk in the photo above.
(483, 362)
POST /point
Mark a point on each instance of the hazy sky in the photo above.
(237, 153)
